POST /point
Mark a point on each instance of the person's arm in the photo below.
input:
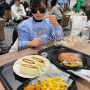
(87, 27)
(34, 43)
(23, 10)
(58, 32)
(53, 20)
(54, 26)
(25, 38)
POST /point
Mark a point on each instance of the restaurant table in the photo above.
(81, 46)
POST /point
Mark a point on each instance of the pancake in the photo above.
(70, 59)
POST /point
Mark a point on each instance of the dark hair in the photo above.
(25, 4)
(37, 3)
(53, 3)
(88, 14)
(83, 8)
(16, 0)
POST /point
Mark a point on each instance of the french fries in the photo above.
(49, 84)
(43, 17)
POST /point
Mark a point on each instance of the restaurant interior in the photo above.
(59, 64)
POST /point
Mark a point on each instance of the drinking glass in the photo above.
(58, 41)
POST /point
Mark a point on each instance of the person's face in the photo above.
(17, 3)
(39, 13)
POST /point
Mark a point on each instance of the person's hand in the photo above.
(87, 27)
(53, 20)
(35, 42)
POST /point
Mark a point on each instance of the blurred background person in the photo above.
(56, 10)
(27, 9)
(66, 1)
(60, 2)
(17, 11)
(66, 8)
(2, 8)
(82, 11)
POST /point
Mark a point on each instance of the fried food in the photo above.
(43, 17)
(33, 87)
(54, 83)
(29, 87)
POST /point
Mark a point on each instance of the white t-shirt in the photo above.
(17, 11)
(56, 11)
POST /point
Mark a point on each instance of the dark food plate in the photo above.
(54, 56)
(70, 81)
(25, 84)
(9, 79)
(53, 52)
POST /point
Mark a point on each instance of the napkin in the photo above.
(83, 73)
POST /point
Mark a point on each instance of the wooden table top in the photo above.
(79, 46)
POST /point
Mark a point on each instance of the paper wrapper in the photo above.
(54, 72)
(85, 74)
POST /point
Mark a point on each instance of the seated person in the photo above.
(82, 11)
(66, 8)
(36, 30)
(56, 10)
(3, 7)
(27, 9)
(17, 11)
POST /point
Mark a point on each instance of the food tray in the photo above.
(53, 52)
(11, 81)
(53, 72)
(8, 78)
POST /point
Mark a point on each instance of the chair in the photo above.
(9, 21)
(65, 20)
(2, 36)
(64, 23)
(8, 16)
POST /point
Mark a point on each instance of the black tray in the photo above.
(72, 85)
(8, 78)
(11, 81)
(53, 51)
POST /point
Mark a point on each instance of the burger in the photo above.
(70, 59)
